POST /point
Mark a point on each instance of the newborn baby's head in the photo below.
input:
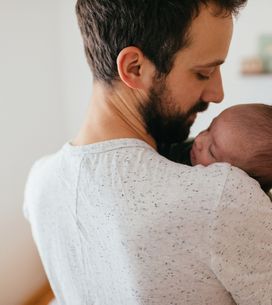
(242, 136)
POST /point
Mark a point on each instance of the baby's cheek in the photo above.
(204, 158)
(197, 158)
(210, 161)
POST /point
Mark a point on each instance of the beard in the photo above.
(163, 119)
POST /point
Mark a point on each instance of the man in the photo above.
(115, 222)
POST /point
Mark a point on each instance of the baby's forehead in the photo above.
(227, 134)
(229, 118)
(222, 122)
(238, 112)
(242, 131)
(230, 113)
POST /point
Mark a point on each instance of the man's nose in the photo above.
(214, 92)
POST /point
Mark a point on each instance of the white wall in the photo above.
(76, 78)
(45, 89)
(31, 124)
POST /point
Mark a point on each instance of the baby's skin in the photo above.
(222, 141)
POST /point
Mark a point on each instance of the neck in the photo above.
(113, 114)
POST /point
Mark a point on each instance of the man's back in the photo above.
(116, 223)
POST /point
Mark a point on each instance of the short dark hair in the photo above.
(157, 27)
(257, 123)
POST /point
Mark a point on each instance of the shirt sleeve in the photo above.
(28, 191)
(241, 240)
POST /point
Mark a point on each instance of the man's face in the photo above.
(194, 81)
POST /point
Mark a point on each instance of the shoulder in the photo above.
(240, 239)
(42, 168)
(171, 176)
(41, 173)
(242, 203)
(240, 190)
(216, 173)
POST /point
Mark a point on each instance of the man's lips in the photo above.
(200, 107)
(192, 117)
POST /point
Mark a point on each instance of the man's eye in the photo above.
(202, 76)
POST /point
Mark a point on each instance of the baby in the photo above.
(241, 135)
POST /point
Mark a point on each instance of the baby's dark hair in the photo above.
(256, 122)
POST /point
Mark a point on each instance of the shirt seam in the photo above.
(218, 201)
(80, 238)
(110, 149)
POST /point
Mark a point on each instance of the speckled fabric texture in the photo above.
(115, 223)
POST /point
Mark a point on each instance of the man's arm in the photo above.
(241, 241)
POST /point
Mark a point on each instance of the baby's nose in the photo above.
(198, 142)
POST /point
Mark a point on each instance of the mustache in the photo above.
(199, 107)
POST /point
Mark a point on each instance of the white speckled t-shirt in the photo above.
(115, 223)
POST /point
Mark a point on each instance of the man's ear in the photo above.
(134, 69)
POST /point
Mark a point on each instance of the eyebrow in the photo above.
(211, 64)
